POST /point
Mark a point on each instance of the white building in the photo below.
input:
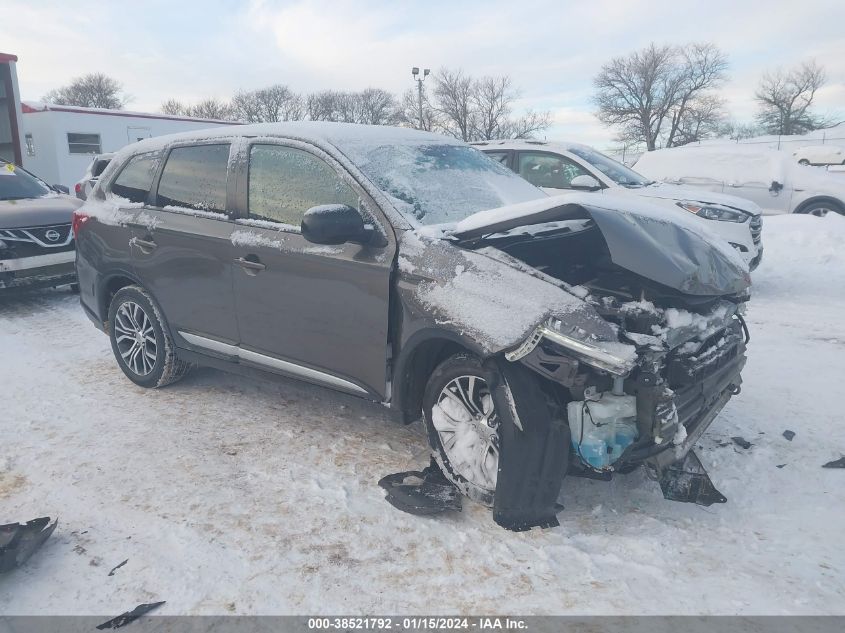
(60, 141)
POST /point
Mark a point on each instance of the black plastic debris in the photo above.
(18, 541)
(421, 492)
(130, 616)
(789, 434)
(741, 442)
(118, 566)
(688, 482)
(780, 465)
(837, 463)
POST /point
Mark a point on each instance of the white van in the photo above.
(769, 177)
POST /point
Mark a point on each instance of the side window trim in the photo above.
(231, 175)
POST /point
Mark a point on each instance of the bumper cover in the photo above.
(38, 271)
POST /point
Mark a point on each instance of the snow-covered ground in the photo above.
(229, 495)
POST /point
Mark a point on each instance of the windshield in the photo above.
(436, 183)
(16, 184)
(617, 172)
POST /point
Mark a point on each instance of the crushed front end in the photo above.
(650, 407)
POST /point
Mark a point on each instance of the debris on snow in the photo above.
(18, 541)
(789, 434)
(741, 442)
(118, 566)
(837, 463)
(130, 616)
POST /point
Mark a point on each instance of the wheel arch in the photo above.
(839, 204)
(419, 355)
(109, 286)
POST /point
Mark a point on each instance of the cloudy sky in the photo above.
(191, 49)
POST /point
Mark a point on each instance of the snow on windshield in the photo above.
(617, 172)
(437, 182)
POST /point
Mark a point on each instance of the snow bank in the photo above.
(803, 255)
(722, 164)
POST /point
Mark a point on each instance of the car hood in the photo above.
(645, 239)
(491, 300)
(51, 209)
(676, 193)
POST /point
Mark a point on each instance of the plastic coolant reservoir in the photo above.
(602, 428)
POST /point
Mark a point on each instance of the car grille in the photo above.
(36, 240)
(756, 229)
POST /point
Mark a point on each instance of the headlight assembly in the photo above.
(710, 212)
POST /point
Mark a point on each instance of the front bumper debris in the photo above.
(421, 492)
(18, 541)
(688, 482)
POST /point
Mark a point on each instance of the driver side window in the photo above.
(547, 170)
(285, 182)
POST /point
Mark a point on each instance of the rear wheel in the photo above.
(140, 342)
(462, 425)
(821, 209)
(803, 161)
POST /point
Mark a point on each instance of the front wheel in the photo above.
(821, 209)
(462, 425)
(140, 342)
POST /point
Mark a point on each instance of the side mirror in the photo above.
(335, 224)
(585, 183)
(61, 189)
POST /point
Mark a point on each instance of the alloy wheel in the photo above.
(467, 426)
(135, 337)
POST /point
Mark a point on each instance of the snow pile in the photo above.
(722, 164)
(802, 255)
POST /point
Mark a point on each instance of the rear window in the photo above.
(194, 177)
(136, 178)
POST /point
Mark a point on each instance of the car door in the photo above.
(181, 246)
(315, 312)
(551, 172)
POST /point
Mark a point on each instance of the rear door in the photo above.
(315, 312)
(181, 244)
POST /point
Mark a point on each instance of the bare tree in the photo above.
(697, 111)
(480, 109)
(174, 107)
(211, 108)
(453, 93)
(94, 90)
(785, 97)
(372, 106)
(738, 131)
(647, 94)
(274, 103)
(409, 111)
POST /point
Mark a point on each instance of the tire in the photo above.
(821, 208)
(803, 161)
(453, 430)
(140, 340)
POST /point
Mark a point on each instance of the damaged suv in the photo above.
(536, 336)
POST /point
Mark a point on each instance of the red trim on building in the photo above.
(8, 57)
(50, 107)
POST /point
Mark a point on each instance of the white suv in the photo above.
(561, 167)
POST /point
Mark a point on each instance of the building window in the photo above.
(30, 146)
(83, 143)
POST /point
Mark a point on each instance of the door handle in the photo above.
(146, 246)
(250, 267)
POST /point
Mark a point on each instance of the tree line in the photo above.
(466, 107)
(659, 96)
(666, 96)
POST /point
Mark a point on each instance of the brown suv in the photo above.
(536, 336)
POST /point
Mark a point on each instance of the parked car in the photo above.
(36, 242)
(769, 177)
(535, 335)
(563, 167)
(820, 155)
(92, 174)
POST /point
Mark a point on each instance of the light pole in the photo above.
(415, 73)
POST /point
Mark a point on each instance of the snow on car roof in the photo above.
(563, 146)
